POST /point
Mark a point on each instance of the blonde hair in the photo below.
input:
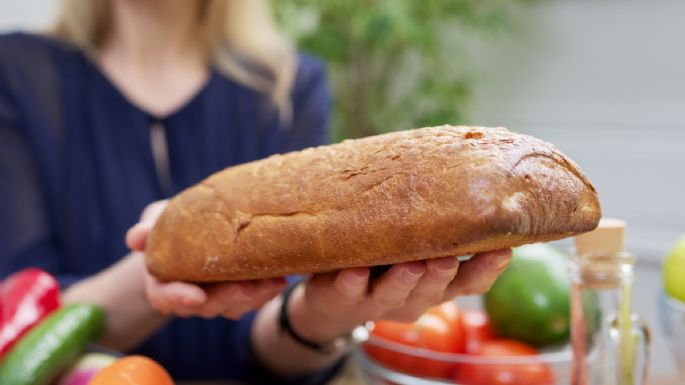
(244, 42)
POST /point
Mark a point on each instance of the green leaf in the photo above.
(396, 64)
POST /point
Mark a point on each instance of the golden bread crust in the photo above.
(397, 197)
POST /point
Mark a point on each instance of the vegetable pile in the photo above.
(43, 342)
(469, 333)
(528, 308)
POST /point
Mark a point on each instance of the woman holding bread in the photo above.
(127, 102)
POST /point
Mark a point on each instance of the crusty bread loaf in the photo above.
(386, 199)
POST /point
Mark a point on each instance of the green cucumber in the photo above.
(42, 354)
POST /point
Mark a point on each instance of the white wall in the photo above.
(32, 14)
(605, 81)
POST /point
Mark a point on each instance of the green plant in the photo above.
(394, 64)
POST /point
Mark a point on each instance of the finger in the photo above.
(392, 289)
(136, 237)
(138, 233)
(345, 287)
(351, 285)
(477, 275)
(152, 212)
(166, 297)
(234, 299)
(237, 312)
(332, 295)
(430, 290)
(321, 294)
(233, 310)
(261, 297)
(220, 296)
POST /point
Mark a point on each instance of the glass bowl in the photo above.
(672, 312)
(406, 365)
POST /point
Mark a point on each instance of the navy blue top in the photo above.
(77, 169)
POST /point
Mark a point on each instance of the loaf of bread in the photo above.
(397, 197)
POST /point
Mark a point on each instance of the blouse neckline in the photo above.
(120, 94)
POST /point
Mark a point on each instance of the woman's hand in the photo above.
(231, 300)
(329, 305)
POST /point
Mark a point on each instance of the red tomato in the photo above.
(447, 311)
(401, 333)
(534, 373)
(438, 330)
(441, 330)
(476, 328)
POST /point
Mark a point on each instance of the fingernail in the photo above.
(357, 276)
(413, 272)
(192, 300)
(499, 261)
(145, 224)
(361, 274)
(447, 264)
(416, 268)
(132, 231)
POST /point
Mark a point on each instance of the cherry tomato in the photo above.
(447, 311)
(441, 329)
(476, 328)
(533, 373)
(437, 330)
(397, 332)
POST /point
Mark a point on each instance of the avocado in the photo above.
(530, 301)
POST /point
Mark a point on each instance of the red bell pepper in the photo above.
(26, 298)
(2, 314)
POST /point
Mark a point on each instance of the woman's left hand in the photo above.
(224, 299)
(330, 305)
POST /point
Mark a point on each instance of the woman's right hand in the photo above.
(230, 300)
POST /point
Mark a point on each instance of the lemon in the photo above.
(674, 271)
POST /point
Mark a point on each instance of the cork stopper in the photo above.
(607, 239)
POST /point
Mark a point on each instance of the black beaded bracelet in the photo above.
(284, 324)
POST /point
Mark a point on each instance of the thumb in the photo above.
(136, 236)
